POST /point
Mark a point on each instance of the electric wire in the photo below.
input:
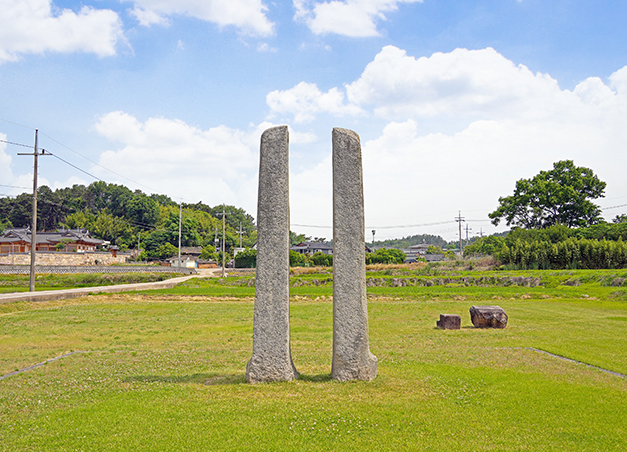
(16, 124)
(14, 186)
(16, 144)
(103, 167)
(74, 166)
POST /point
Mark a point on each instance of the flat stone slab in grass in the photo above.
(488, 317)
(449, 322)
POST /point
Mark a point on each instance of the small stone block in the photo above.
(449, 322)
(488, 317)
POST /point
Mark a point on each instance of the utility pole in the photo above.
(180, 222)
(468, 228)
(373, 231)
(459, 219)
(240, 232)
(224, 214)
(33, 236)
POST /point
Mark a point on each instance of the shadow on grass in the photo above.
(204, 379)
(465, 327)
(213, 379)
(315, 378)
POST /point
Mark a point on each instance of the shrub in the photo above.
(246, 258)
(320, 259)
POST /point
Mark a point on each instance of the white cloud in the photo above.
(295, 137)
(265, 47)
(148, 17)
(172, 157)
(5, 160)
(508, 124)
(31, 26)
(185, 162)
(305, 100)
(247, 15)
(460, 83)
(353, 18)
(463, 84)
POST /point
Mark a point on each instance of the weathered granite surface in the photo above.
(272, 359)
(352, 359)
(488, 317)
(449, 322)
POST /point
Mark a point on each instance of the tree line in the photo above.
(131, 219)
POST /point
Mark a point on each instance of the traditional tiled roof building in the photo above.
(19, 241)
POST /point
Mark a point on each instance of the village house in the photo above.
(312, 247)
(19, 241)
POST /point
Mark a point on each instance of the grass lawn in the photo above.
(48, 281)
(165, 371)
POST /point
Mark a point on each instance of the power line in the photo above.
(377, 227)
(103, 167)
(16, 124)
(13, 186)
(16, 144)
(74, 166)
(613, 207)
(81, 155)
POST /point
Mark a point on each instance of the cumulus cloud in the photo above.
(470, 84)
(462, 82)
(305, 100)
(178, 159)
(353, 18)
(508, 124)
(35, 26)
(247, 15)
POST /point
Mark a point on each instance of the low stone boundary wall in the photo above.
(60, 258)
(63, 269)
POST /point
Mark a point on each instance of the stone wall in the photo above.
(54, 258)
(58, 269)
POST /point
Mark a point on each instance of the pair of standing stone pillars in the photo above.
(272, 358)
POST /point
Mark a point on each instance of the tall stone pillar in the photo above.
(272, 358)
(352, 359)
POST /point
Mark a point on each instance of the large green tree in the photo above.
(558, 196)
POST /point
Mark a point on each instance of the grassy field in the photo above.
(48, 281)
(165, 370)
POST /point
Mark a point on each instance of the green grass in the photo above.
(48, 281)
(166, 372)
(430, 284)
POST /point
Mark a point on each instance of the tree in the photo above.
(386, 256)
(559, 196)
(246, 258)
(143, 211)
(209, 253)
(165, 251)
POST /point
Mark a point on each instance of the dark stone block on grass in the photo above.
(488, 317)
(449, 322)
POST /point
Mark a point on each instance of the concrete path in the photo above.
(47, 295)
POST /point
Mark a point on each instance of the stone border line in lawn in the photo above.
(616, 374)
(40, 364)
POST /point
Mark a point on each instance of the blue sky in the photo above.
(453, 100)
